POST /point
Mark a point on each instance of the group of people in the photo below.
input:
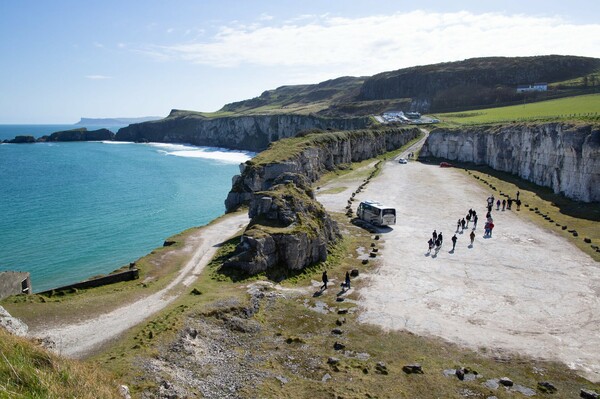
(464, 222)
(435, 241)
(345, 284)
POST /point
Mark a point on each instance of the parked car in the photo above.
(445, 165)
(402, 160)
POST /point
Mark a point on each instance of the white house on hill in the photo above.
(533, 87)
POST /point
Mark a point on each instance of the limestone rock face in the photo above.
(252, 133)
(288, 228)
(562, 156)
(315, 160)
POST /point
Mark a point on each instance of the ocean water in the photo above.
(73, 210)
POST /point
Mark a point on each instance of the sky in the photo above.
(62, 60)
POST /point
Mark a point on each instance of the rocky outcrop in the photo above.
(21, 140)
(288, 228)
(81, 134)
(252, 133)
(564, 157)
(323, 153)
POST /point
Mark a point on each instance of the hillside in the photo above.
(447, 86)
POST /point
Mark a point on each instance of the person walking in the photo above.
(440, 239)
(468, 217)
(475, 218)
(498, 205)
(491, 227)
(454, 242)
(347, 280)
(325, 280)
(430, 244)
(434, 235)
(458, 225)
(462, 223)
(503, 204)
(472, 236)
(518, 195)
(518, 205)
(509, 204)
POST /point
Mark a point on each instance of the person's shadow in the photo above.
(319, 293)
(451, 251)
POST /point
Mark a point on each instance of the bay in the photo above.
(78, 209)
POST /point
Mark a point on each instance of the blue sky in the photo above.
(62, 60)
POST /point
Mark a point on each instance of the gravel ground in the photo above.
(526, 290)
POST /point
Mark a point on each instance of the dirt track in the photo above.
(526, 290)
(78, 340)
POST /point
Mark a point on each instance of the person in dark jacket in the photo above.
(325, 280)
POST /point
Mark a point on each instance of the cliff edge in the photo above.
(562, 156)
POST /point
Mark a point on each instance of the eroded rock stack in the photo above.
(288, 228)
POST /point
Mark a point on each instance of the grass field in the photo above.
(571, 108)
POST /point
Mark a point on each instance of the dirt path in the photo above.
(78, 340)
(526, 290)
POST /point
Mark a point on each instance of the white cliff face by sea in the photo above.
(564, 157)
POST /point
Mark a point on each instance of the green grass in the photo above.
(585, 107)
(29, 371)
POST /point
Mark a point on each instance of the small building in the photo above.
(413, 115)
(532, 87)
(14, 283)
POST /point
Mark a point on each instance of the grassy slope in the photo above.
(570, 108)
(29, 371)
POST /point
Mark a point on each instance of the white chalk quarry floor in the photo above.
(526, 290)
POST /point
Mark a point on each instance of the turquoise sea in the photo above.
(70, 211)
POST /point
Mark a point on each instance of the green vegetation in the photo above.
(586, 108)
(29, 371)
(286, 148)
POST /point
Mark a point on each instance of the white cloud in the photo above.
(367, 45)
(265, 17)
(98, 45)
(97, 77)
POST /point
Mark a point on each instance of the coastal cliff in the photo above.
(252, 133)
(315, 155)
(562, 156)
(289, 228)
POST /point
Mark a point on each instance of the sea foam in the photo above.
(215, 153)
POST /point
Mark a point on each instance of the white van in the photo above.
(376, 214)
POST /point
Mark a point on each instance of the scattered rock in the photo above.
(507, 382)
(564, 227)
(524, 390)
(343, 311)
(338, 347)
(340, 299)
(196, 291)
(326, 377)
(575, 234)
(365, 261)
(587, 240)
(381, 368)
(588, 394)
(168, 243)
(460, 374)
(377, 237)
(12, 324)
(354, 272)
(282, 379)
(413, 369)
(333, 360)
(546, 387)
(340, 321)
(491, 384)
(337, 331)
(124, 392)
